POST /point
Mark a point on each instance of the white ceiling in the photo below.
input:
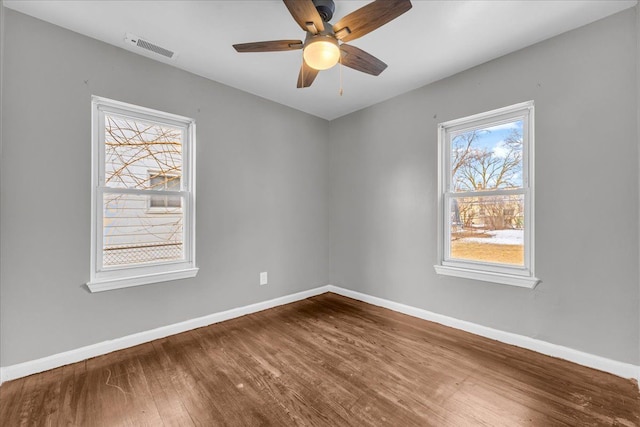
(433, 40)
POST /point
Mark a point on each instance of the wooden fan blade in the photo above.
(360, 60)
(269, 46)
(307, 75)
(369, 17)
(305, 14)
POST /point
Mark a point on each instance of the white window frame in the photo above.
(103, 279)
(522, 276)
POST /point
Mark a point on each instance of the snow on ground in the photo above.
(499, 237)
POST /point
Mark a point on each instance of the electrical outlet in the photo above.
(263, 278)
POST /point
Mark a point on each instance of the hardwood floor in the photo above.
(327, 360)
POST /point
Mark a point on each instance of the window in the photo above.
(143, 198)
(485, 209)
(158, 181)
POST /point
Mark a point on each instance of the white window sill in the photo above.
(126, 282)
(488, 276)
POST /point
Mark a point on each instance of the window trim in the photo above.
(477, 270)
(103, 279)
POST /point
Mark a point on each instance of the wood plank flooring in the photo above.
(324, 361)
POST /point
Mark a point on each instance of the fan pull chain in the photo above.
(340, 66)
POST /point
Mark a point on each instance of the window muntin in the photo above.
(143, 165)
(486, 214)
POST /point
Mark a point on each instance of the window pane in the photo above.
(133, 147)
(487, 158)
(488, 229)
(133, 235)
(174, 201)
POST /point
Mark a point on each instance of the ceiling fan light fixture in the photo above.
(325, 44)
(321, 52)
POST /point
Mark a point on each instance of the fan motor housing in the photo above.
(325, 8)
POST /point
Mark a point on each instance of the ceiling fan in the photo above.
(325, 45)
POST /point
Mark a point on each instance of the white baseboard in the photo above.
(625, 370)
(621, 369)
(24, 369)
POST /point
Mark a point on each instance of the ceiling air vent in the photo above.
(151, 47)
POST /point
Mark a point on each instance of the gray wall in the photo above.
(262, 193)
(2, 9)
(383, 192)
(638, 110)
